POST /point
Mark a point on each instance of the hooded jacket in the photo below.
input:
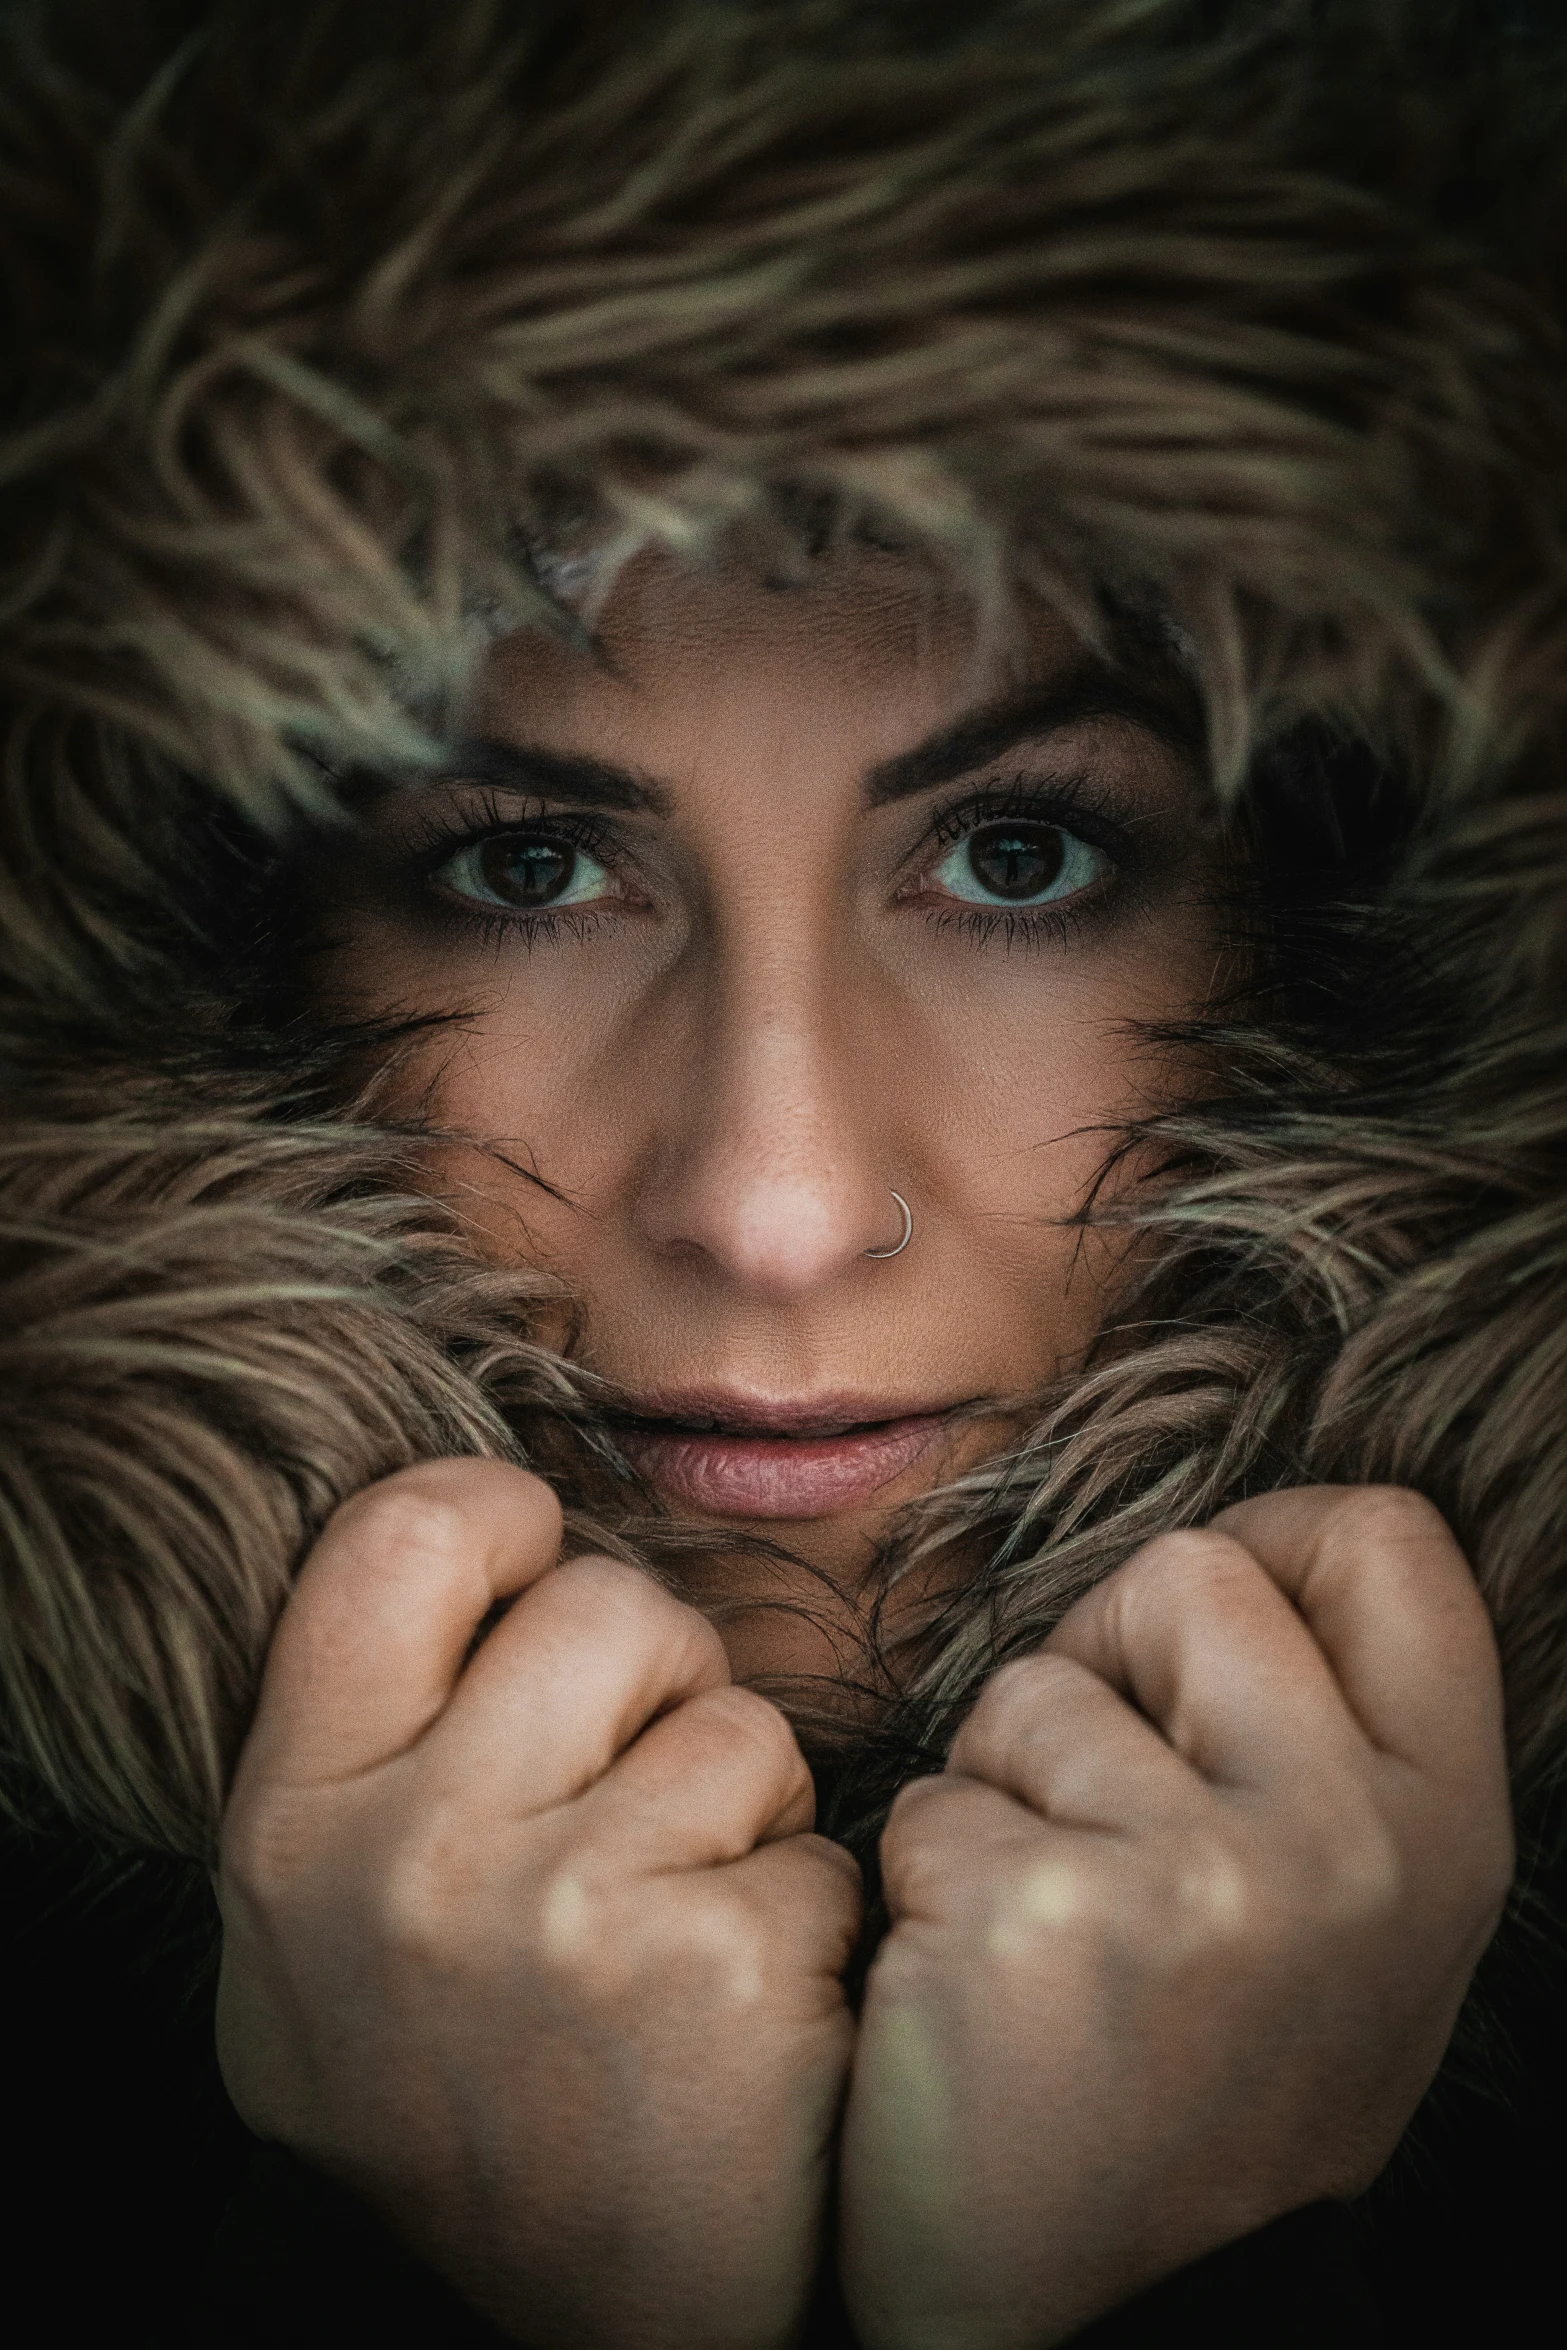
(319, 318)
(1238, 321)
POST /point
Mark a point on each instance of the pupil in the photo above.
(1016, 861)
(527, 872)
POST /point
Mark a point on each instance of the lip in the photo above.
(774, 1460)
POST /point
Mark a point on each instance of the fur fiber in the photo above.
(319, 314)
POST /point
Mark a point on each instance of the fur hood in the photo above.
(321, 315)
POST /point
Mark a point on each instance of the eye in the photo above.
(1019, 862)
(530, 872)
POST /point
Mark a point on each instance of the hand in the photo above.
(533, 1950)
(1180, 1935)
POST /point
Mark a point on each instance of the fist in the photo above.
(529, 1943)
(1180, 1935)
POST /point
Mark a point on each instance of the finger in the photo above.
(1059, 1738)
(1206, 1645)
(1391, 1600)
(938, 1832)
(372, 1641)
(569, 1677)
(705, 1784)
(811, 1897)
(956, 1851)
(780, 1922)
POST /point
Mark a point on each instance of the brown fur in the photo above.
(319, 313)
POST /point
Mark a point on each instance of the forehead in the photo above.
(871, 640)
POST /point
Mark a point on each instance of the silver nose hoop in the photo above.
(908, 1233)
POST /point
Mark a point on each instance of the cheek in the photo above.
(1026, 1064)
(555, 1128)
(1018, 1083)
(541, 1060)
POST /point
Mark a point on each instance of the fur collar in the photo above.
(322, 316)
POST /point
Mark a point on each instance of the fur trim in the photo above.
(331, 309)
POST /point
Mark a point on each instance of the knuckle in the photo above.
(1216, 1896)
(834, 1888)
(406, 1519)
(1017, 1700)
(751, 1732)
(1390, 1520)
(1372, 1876)
(916, 1813)
(629, 1596)
(1195, 1906)
(1039, 1898)
(731, 1942)
(699, 1639)
(1396, 1510)
(1200, 1903)
(613, 1584)
(412, 1905)
(1351, 1872)
(1190, 1574)
(578, 1938)
(428, 1510)
(725, 1953)
(1025, 1687)
(429, 1897)
(1193, 1560)
(916, 1840)
(1018, 1678)
(959, 1850)
(602, 1946)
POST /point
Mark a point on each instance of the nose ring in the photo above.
(908, 1232)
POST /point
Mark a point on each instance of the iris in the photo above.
(527, 871)
(1017, 863)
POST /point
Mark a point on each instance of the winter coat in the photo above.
(1239, 318)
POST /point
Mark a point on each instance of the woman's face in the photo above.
(786, 904)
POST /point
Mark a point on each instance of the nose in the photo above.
(772, 1166)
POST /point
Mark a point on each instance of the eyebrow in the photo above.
(975, 740)
(984, 735)
(554, 775)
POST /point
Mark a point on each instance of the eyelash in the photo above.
(436, 843)
(1066, 803)
(1062, 804)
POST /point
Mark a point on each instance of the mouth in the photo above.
(732, 1458)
